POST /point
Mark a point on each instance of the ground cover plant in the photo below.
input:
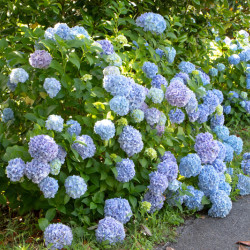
(109, 128)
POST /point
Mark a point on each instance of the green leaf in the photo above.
(73, 58)
(92, 205)
(16, 152)
(205, 200)
(57, 66)
(43, 223)
(50, 214)
(143, 162)
(133, 201)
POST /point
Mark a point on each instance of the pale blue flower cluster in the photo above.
(156, 95)
(186, 67)
(219, 165)
(171, 53)
(178, 94)
(120, 105)
(219, 94)
(125, 170)
(229, 153)
(114, 60)
(118, 209)
(37, 170)
(232, 95)
(152, 22)
(175, 198)
(221, 204)
(110, 230)
(43, 148)
(55, 166)
(245, 55)
(11, 86)
(150, 69)
(222, 151)
(105, 128)
(52, 86)
(111, 70)
(236, 143)
(184, 76)
(61, 154)
(217, 120)
(213, 72)
(107, 47)
(245, 166)
(58, 236)
(211, 100)
(194, 201)
(174, 185)
(206, 147)
(54, 122)
(168, 156)
(176, 116)
(7, 115)
(40, 59)
(243, 184)
(158, 182)
(137, 115)
(247, 107)
(222, 132)
(208, 179)
(15, 169)
(74, 127)
(130, 141)
(49, 186)
(158, 81)
(192, 104)
(227, 109)
(75, 186)
(79, 32)
(152, 116)
(168, 168)
(60, 29)
(156, 201)
(18, 75)
(234, 59)
(204, 77)
(224, 186)
(190, 165)
(221, 67)
(85, 146)
(243, 33)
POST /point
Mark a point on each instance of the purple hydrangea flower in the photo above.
(168, 168)
(158, 182)
(156, 201)
(203, 113)
(168, 156)
(125, 170)
(107, 47)
(204, 77)
(15, 169)
(211, 100)
(61, 154)
(176, 116)
(40, 59)
(183, 76)
(152, 116)
(158, 81)
(192, 104)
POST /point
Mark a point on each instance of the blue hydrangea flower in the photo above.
(18, 75)
(174, 185)
(110, 230)
(37, 170)
(246, 156)
(243, 184)
(11, 86)
(229, 153)
(219, 94)
(156, 95)
(222, 132)
(57, 236)
(62, 30)
(245, 166)
(174, 198)
(204, 77)
(178, 94)
(232, 95)
(192, 104)
(186, 67)
(221, 204)
(213, 72)
(219, 166)
(43, 148)
(143, 107)
(227, 40)
(7, 115)
(158, 81)
(15, 169)
(137, 115)
(118, 209)
(236, 143)
(183, 76)
(230, 171)
(227, 109)
(194, 200)
(171, 53)
(245, 55)
(168, 168)
(233, 47)
(243, 33)
(158, 183)
(217, 120)
(211, 100)
(55, 166)
(208, 179)
(234, 59)
(156, 201)
(75, 186)
(222, 151)
(85, 146)
(50, 34)
(152, 22)
(120, 105)
(190, 165)
(160, 52)
(152, 116)
(224, 186)
(49, 186)
(247, 107)
(243, 95)
(61, 155)
(74, 127)
(40, 59)
(150, 69)
(168, 156)
(107, 47)
(125, 170)
(206, 147)
(111, 70)
(203, 111)
(176, 116)
(52, 86)
(78, 31)
(105, 128)
(243, 104)
(194, 116)
(221, 67)
(54, 122)
(114, 60)
(130, 141)
(160, 129)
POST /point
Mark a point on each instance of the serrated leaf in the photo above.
(43, 223)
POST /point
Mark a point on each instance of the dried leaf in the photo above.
(245, 243)
(93, 227)
(146, 230)
(241, 247)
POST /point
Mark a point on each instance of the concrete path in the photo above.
(215, 234)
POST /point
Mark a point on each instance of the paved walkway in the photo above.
(215, 234)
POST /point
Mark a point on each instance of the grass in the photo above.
(22, 232)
